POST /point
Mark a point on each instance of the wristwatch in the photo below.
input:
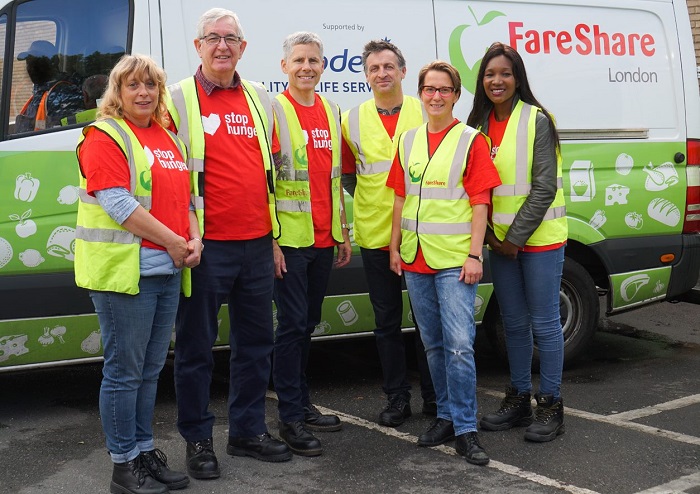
(479, 258)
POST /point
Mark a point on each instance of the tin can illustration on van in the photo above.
(582, 180)
(347, 312)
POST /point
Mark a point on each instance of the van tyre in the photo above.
(580, 311)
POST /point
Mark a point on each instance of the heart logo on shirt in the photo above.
(211, 123)
(149, 156)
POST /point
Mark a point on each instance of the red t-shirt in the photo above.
(314, 123)
(105, 166)
(235, 182)
(480, 177)
(496, 131)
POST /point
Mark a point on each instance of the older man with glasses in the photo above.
(227, 123)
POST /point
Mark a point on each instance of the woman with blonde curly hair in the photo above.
(136, 233)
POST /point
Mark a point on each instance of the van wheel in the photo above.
(579, 308)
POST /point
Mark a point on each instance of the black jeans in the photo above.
(243, 272)
(385, 293)
(298, 298)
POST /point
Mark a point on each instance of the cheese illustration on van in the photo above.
(12, 345)
(616, 194)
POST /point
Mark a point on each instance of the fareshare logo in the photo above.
(468, 73)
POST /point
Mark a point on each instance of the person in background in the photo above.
(52, 98)
(368, 148)
(93, 88)
(135, 234)
(442, 177)
(227, 124)
(312, 216)
(527, 239)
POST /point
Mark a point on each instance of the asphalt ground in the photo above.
(632, 413)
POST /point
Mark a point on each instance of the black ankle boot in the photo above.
(133, 477)
(157, 464)
(515, 411)
(549, 419)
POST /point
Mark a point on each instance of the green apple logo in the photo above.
(146, 184)
(468, 74)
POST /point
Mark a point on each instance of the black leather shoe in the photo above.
(157, 464)
(468, 446)
(263, 447)
(299, 440)
(440, 431)
(201, 460)
(132, 477)
(314, 420)
(397, 410)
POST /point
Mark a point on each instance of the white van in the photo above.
(618, 75)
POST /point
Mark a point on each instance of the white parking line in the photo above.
(661, 407)
(675, 486)
(496, 465)
(621, 420)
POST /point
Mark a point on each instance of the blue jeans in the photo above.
(444, 309)
(242, 273)
(527, 289)
(136, 331)
(298, 297)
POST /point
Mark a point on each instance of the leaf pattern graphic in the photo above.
(491, 16)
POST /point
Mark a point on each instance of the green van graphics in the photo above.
(620, 82)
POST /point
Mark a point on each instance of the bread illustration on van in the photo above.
(664, 211)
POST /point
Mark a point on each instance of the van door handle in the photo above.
(679, 158)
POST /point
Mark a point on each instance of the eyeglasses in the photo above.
(444, 91)
(215, 39)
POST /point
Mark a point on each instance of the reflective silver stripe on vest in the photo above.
(293, 206)
(454, 189)
(551, 214)
(364, 168)
(520, 190)
(262, 96)
(288, 170)
(354, 127)
(374, 168)
(436, 228)
(521, 146)
(106, 235)
(198, 201)
(408, 139)
(144, 201)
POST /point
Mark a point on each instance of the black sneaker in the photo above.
(201, 460)
(467, 445)
(515, 411)
(157, 463)
(299, 440)
(549, 419)
(132, 477)
(314, 420)
(440, 431)
(397, 410)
